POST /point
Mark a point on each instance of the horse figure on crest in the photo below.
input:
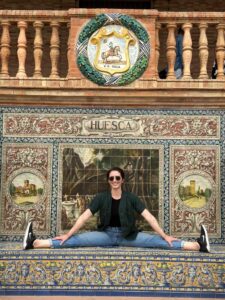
(113, 51)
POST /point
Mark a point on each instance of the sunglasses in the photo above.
(117, 178)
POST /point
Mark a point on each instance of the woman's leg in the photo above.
(146, 240)
(42, 243)
(92, 239)
(193, 246)
(86, 239)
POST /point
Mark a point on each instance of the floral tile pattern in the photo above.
(119, 126)
(26, 182)
(195, 190)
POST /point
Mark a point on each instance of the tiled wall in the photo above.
(36, 143)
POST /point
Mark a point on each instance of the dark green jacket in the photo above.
(130, 204)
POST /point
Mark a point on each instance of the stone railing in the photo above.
(41, 44)
(203, 37)
(31, 40)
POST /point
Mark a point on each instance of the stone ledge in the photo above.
(165, 94)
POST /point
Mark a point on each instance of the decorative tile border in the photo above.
(195, 190)
(26, 182)
(115, 270)
(115, 126)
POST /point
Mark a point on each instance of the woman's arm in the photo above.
(76, 227)
(155, 226)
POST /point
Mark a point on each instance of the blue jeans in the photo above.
(112, 236)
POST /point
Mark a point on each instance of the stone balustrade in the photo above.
(40, 44)
(205, 31)
(22, 46)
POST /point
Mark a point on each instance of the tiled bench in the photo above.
(112, 271)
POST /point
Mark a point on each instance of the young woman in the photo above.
(117, 224)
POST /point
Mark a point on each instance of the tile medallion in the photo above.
(113, 49)
(26, 188)
(195, 190)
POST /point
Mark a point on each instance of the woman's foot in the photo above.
(29, 237)
(203, 240)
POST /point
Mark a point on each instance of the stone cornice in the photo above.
(152, 94)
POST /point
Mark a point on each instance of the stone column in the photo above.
(171, 50)
(76, 25)
(220, 51)
(38, 51)
(157, 48)
(203, 51)
(22, 49)
(5, 49)
(54, 52)
(187, 50)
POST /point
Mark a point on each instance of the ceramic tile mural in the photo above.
(195, 190)
(82, 174)
(26, 187)
(55, 135)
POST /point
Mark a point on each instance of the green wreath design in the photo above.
(134, 72)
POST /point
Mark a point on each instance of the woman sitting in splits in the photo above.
(117, 224)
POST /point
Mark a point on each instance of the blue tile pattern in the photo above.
(111, 271)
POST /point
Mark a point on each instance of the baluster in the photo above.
(5, 49)
(220, 51)
(187, 50)
(22, 49)
(203, 51)
(157, 48)
(171, 50)
(38, 51)
(68, 50)
(54, 52)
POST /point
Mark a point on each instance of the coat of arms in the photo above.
(112, 53)
(113, 49)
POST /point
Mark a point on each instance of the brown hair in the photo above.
(116, 169)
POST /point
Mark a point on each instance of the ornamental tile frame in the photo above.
(195, 190)
(26, 188)
(82, 174)
(106, 125)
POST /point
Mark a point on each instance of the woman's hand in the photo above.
(79, 223)
(169, 239)
(62, 238)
